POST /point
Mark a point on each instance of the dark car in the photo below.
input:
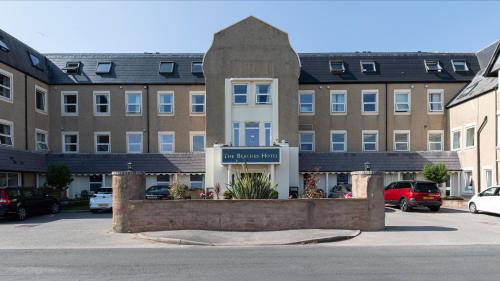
(157, 192)
(409, 194)
(341, 191)
(23, 201)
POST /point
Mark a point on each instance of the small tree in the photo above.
(311, 189)
(437, 173)
(59, 177)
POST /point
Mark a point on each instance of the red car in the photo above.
(409, 194)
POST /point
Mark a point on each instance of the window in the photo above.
(338, 141)
(435, 98)
(70, 142)
(35, 61)
(166, 67)
(103, 67)
(401, 101)
(196, 181)
(163, 179)
(338, 101)
(240, 93)
(166, 103)
(401, 140)
(40, 99)
(306, 140)
(101, 103)
(488, 178)
(3, 45)
(166, 142)
(134, 142)
(468, 182)
(460, 65)
(342, 179)
(95, 182)
(6, 133)
(196, 67)
(368, 66)
(6, 85)
(41, 138)
(236, 134)
(370, 99)
(69, 103)
(337, 66)
(435, 140)
(370, 140)
(263, 93)
(268, 134)
(197, 103)
(432, 66)
(102, 142)
(470, 133)
(134, 103)
(455, 140)
(252, 134)
(306, 102)
(72, 67)
(9, 179)
(197, 141)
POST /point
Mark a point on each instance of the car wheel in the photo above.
(21, 213)
(55, 208)
(403, 205)
(434, 208)
(473, 208)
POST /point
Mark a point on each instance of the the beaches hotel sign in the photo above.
(250, 155)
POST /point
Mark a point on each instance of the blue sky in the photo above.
(312, 26)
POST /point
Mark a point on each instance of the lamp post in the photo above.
(368, 166)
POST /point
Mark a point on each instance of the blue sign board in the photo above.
(250, 155)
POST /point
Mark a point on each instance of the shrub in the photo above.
(59, 178)
(311, 187)
(209, 195)
(251, 185)
(227, 194)
(437, 173)
(178, 190)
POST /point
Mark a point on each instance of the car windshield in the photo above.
(427, 187)
(104, 191)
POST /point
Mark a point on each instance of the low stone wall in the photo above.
(455, 204)
(134, 214)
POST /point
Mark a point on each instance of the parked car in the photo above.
(341, 191)
(409, 194)
(486, 201)
(158, 192)
(101, 200)
(26, 201)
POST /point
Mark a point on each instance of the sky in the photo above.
(188, 26)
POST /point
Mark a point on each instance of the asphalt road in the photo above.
(269, 263)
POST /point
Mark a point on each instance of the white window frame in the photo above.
(63, 105)
(40, 131)
(11, 125)
(166, 133)
(127, 113)
(45, 100)
(269, 94)
(363, 93)
(363, 132)
(435, 91)
(460, 60)
(64, 141)
(408, 133)
(363, 70)
(402, 91)
(233, 94)
(96, 134)
(11, 76)
(104, 93)
(338, 92)
(191, 182)
(307, 92)
(268, 130)
(486, 169)
(236, 133)
(163, 93)
(313, 141)
(465, 183)
(197, 93)
(452, 138)
(344, 132)
(467, 127)
(197, 133)
(142, 141)
(429, 132)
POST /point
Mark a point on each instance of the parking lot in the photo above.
(86, 230)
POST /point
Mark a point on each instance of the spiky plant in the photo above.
(252, 185)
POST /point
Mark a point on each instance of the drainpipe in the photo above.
(386, 115)
(478, 151)
(147, 118)
(26, 146)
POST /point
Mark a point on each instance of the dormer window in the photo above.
(166, 67)
(35, 61)
(72, 67)
(433, 66)
(103, 67)
(196, 67)
(3, 45)
(337, 66)
(368, 67)
(459, 65)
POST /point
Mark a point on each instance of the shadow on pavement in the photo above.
(39, 219)
(389, 210)
(419, 228)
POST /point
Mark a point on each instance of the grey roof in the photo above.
(482, 82)
(381, 161)
(21, 161)
(149, 163)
